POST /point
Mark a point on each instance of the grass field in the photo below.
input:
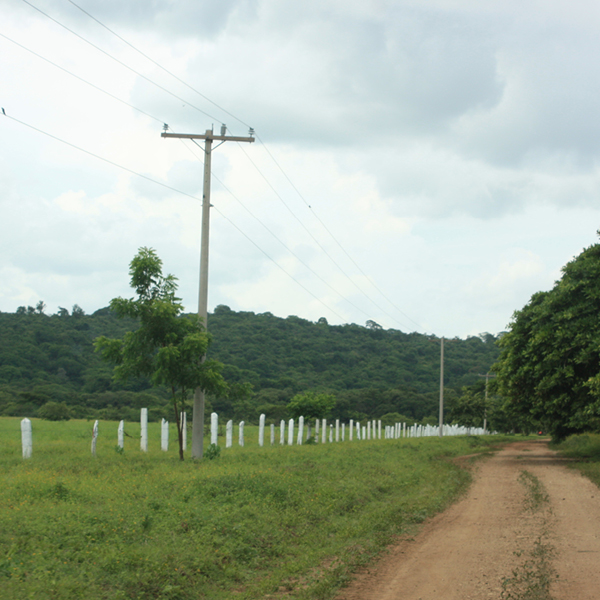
(253, 523)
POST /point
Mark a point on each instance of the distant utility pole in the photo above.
(441, 424)
(487, 379)
(208, 137)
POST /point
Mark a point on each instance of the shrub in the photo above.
(54, 411)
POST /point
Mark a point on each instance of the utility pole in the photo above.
(441, 424)
(487, 379)
(208, 137)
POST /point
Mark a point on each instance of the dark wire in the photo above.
(120, 62)
(82, 79)
(164, 185)
(158, 64)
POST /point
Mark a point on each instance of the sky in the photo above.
(424, 165)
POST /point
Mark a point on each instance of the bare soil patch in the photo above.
(493, 544)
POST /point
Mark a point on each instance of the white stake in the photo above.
(144, 430)
(214, 428)
(164, 435)
(300, 430)
(291, 432)
(26, 438)
(282, 432)
(241, 440)
(183, 421)
(94, 438)
(261, 430)
(229, 434)
(324, 430)
(121, 435)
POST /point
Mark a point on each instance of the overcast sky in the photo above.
(427, 165)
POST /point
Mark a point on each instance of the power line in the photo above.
(309, 206)
(240, 121)
(274, 235)
(222, 184)
(158, 64)
(164, 185)
(82, 79)
(335, 263)
(289, 249)
(120, 62)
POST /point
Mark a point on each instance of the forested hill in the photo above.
(373, 371)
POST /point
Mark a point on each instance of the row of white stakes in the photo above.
(372, 430)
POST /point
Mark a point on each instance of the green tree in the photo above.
(549, 366)
(311, 405)
(469, 408)
(166, 347)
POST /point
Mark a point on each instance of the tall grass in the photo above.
(250, 524)
(585, 449)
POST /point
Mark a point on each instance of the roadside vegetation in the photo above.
(252, 523)
(549, 367)
(585, 449)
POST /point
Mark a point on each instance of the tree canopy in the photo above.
(549, 366)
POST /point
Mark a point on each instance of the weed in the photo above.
(212, 452)
(532, 579)
(146, 523)
(536, 494)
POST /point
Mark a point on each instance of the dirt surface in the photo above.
(504, 539)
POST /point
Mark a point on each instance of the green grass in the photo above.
(249, 524)
(585, 449)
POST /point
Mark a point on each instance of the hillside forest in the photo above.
(48, 361)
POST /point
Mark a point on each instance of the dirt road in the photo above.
(529, 527)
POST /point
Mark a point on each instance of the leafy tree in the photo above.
(77, 311)
(549, 367)
(469, 408)
(311, 405)
(167, 347)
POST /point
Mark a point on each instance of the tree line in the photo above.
(48, 366)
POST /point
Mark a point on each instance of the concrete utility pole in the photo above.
(441, 432)
(208, 137)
